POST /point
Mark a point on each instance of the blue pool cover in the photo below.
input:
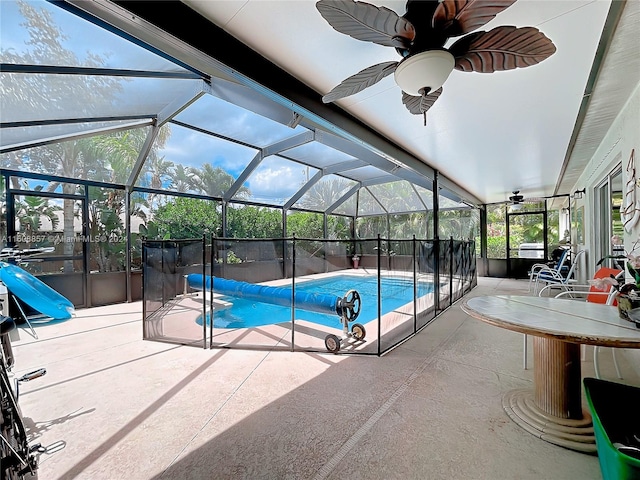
(315, 302)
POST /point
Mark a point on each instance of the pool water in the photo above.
(396, 292)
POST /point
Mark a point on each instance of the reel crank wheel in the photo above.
(350, 305)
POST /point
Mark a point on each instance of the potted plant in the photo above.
(355, 258)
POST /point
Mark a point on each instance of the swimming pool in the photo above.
(396, 292)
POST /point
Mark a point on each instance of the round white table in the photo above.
(553, 409)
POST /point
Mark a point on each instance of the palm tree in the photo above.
(214, 181)
(159, 169)
(31, 210)
(181, 179)
(120, 151)
(325, 193)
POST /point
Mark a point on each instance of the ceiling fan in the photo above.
(516, 198)
(516, 201)
(419, 37)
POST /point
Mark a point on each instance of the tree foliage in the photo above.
(305, 225)
(214, 181)
(184, 217)
(106, 229)
(254, 222)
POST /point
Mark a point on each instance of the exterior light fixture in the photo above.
(424, 72)
(577, 195)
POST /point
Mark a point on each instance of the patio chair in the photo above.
(536, 268)
(589, 293)
(555, 276)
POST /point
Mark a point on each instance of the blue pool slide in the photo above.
(35, 293)
(315, 302)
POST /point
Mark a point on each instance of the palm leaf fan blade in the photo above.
(361, 80)
(502, 48)
(367, 22)
(457, 17)
(418, 105)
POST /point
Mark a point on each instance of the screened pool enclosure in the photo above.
(113, 132)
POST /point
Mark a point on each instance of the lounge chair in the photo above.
(556, 276)
(536, 268)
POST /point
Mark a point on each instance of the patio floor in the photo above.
(113, 406)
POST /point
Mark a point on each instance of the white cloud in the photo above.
(277, 179)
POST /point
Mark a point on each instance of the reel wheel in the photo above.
(358, 332)
(332, 343)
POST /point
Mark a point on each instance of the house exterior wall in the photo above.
(615, 148)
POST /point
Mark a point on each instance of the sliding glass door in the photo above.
(609, 195)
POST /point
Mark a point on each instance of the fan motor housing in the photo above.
(516, 197)
(424, 71)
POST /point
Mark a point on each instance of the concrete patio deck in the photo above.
(113, 406)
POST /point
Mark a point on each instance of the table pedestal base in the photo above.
(573, 434)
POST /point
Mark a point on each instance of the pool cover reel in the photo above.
(315, 302)
(347, 307)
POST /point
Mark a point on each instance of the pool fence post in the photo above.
(211, 274)
(436, 273)
(293, 293)
(204, 291)
(415, 288)
(450, 270)
(145, 272)
(379, 297)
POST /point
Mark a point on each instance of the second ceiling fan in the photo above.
(419, 37)
(517, 200)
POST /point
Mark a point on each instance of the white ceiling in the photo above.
(489, 133)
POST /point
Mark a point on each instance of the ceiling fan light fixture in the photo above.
(516, 207)
(425, 70)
